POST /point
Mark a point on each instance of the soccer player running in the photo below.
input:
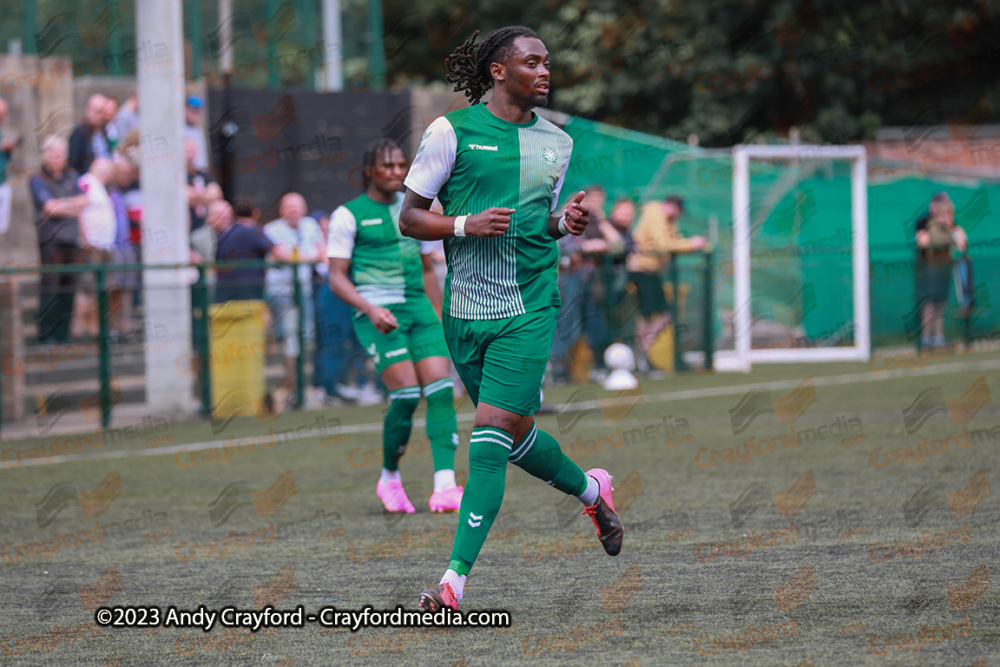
(497, 169)
(383, 276)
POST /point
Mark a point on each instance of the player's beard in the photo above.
(538, 100)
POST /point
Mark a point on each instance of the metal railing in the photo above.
(201, 303)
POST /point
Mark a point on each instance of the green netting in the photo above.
(801, 273)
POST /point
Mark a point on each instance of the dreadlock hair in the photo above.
(469, 65)
(384, 147)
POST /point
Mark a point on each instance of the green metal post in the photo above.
(194, 32)
(30, 10)
(674, 281)
(709, 321)
(308, 19)
(201, 310)
(116, 55)
(376, 50)
(300, 372)
(104, 360)
(274, 71)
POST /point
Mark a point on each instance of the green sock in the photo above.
(398, 424)
(538, 454)
(442, 427)
(489, 449)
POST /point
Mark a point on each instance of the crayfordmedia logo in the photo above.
(963, 596)
(273, 591)
(932, 401)
(618, 595)
(744, 640)
(99, 593)
(786, 503)
(786, 409)
(266, 503)
(915, 642)
(965, 501)
(791, 595)
(917, 548)
(92, 503)
(916, 507)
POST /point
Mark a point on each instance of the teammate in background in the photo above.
(384, 277)
(497, 169)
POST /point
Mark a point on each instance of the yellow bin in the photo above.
(661, 352)
(238, 351)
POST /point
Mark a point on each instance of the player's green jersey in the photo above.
(471, 160)
(385, 265)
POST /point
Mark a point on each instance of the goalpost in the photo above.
(743, 355)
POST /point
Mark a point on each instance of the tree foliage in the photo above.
(728, 71)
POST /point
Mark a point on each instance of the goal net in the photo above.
(799, 256)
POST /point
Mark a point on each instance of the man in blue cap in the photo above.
(193, 129)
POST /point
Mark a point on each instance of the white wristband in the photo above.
(460, 225)
(562, 226)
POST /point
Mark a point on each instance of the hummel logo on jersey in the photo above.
(478, 520)
(480, 147)
(371, 221)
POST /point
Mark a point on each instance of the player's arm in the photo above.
(340, 248)
(341, 285)
(416, 220)
(431, 285)
(575, 216)
(573, 220)
(430, 170)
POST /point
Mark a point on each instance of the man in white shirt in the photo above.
(97, 238)
(303, 239)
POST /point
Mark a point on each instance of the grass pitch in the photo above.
(845, 519)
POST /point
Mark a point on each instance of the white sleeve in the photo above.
(431, 247)
(558, 188)
(435, 159)
(343, 228)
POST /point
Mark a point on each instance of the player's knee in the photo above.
(403, 403)
(441, 392)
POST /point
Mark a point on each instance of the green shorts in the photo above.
(502, 362)
(418, 336)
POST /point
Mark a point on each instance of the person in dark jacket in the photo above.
(90, 140)
(58, 203)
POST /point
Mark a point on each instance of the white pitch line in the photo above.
(684, 395)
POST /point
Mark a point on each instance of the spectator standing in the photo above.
(578, 278)
(58, 201)
(300, 236)
(127, 118)
(97, 239)
(109, 111)
(937, 237)
(656, 237)
(618, 233)
(194, 131)
(123, 283)
(202, 189)
(235, 243)
(7, 147)
(89, 139)
(336, 343)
